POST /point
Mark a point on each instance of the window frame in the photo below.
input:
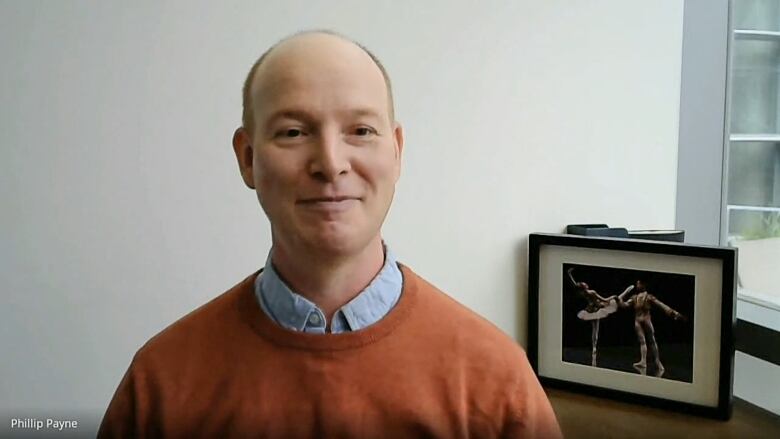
(701, 203)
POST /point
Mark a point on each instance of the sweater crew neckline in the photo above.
(260, 323)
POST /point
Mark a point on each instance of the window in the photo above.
(728, 182)
(753, 171)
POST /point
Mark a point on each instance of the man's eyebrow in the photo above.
(306, 116)
(364, 112)
(289, 114)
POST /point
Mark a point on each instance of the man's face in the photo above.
(326, 156)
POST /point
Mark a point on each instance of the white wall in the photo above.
(122, 206)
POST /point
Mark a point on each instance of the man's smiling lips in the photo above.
(333, 204)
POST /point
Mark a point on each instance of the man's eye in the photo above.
(364, 131)
(290, 133)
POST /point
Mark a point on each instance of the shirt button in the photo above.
(314, 319)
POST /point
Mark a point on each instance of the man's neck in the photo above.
(329, 282)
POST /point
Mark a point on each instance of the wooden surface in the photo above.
(582, 416)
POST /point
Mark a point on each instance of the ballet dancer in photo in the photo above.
(642, 303)
(597, 308)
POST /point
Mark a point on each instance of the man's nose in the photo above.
(330, 158)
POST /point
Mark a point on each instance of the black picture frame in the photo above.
(705, 279)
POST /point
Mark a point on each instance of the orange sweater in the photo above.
(430, 368)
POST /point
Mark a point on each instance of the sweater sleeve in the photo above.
(126, 412)
(530, 414)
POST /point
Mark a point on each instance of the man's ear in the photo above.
(243, 148)
(398, 140)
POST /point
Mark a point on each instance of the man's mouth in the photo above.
(329, 206)
(328, 199)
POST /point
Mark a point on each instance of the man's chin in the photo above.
(337, 242)
(336, 246)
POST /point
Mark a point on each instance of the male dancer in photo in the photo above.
(642, 302)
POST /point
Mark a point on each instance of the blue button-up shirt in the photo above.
(297, 313)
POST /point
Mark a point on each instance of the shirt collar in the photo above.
(295, 312)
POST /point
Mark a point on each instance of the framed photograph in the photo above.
(635, 320)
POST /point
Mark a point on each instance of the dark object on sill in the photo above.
(658, 235)
(621, 232)
(596, 230)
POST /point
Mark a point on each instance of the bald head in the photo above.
(303, 51)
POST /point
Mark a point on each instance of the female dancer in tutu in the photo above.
(597, 308)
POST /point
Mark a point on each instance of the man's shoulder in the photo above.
(468, 328)
(202, 329)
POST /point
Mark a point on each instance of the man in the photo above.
(642, 303)
(333, 337)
